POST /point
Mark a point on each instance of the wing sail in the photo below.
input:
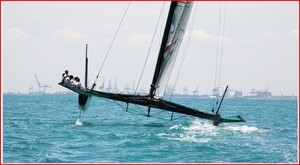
(175, 27)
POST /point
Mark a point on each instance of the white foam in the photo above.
(190, 139)
(198, 131)
(202, 131)
(198, 125)
(201, 128)
(78, 122)
(243, 129)
(185, 137)
(207, 128)
(175, 127)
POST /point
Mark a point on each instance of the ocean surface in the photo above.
(46, 129)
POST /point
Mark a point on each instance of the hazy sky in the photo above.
(260, 48)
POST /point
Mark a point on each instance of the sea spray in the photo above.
(78, 122)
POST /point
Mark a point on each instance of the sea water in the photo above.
(47, 129)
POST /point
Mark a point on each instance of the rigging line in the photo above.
(166, 117)
(161, 11)
(112, 42)
(178, 117)
(160, 117)
(217, 54)
(159, 112)
(222, 43)
(144, 114)
(140, 109)
(119, 105)
(162, 24)
(128, 111)
(185, 50)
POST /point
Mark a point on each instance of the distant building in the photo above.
(238, 94)
(253, 93)
(260, 94)
(263, 94)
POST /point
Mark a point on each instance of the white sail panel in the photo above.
(178, 26)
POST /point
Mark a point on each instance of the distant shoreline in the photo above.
(174, 96)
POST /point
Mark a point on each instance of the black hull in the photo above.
(152, 102)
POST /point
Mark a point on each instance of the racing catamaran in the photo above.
(177, 20)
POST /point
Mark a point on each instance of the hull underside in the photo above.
(154, 103)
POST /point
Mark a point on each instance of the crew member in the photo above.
(65, 75)
(77, 83)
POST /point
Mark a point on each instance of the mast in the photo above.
(175, 27)
(83, 99)
(162, 47)
(86, 66)
(217, 112)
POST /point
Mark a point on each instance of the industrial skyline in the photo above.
(130, 88)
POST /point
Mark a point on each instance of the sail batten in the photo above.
(174, 31)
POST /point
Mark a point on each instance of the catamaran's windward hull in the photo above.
(155, 103)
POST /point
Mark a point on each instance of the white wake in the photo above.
(78, 122)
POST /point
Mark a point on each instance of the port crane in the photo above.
(42, 88)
